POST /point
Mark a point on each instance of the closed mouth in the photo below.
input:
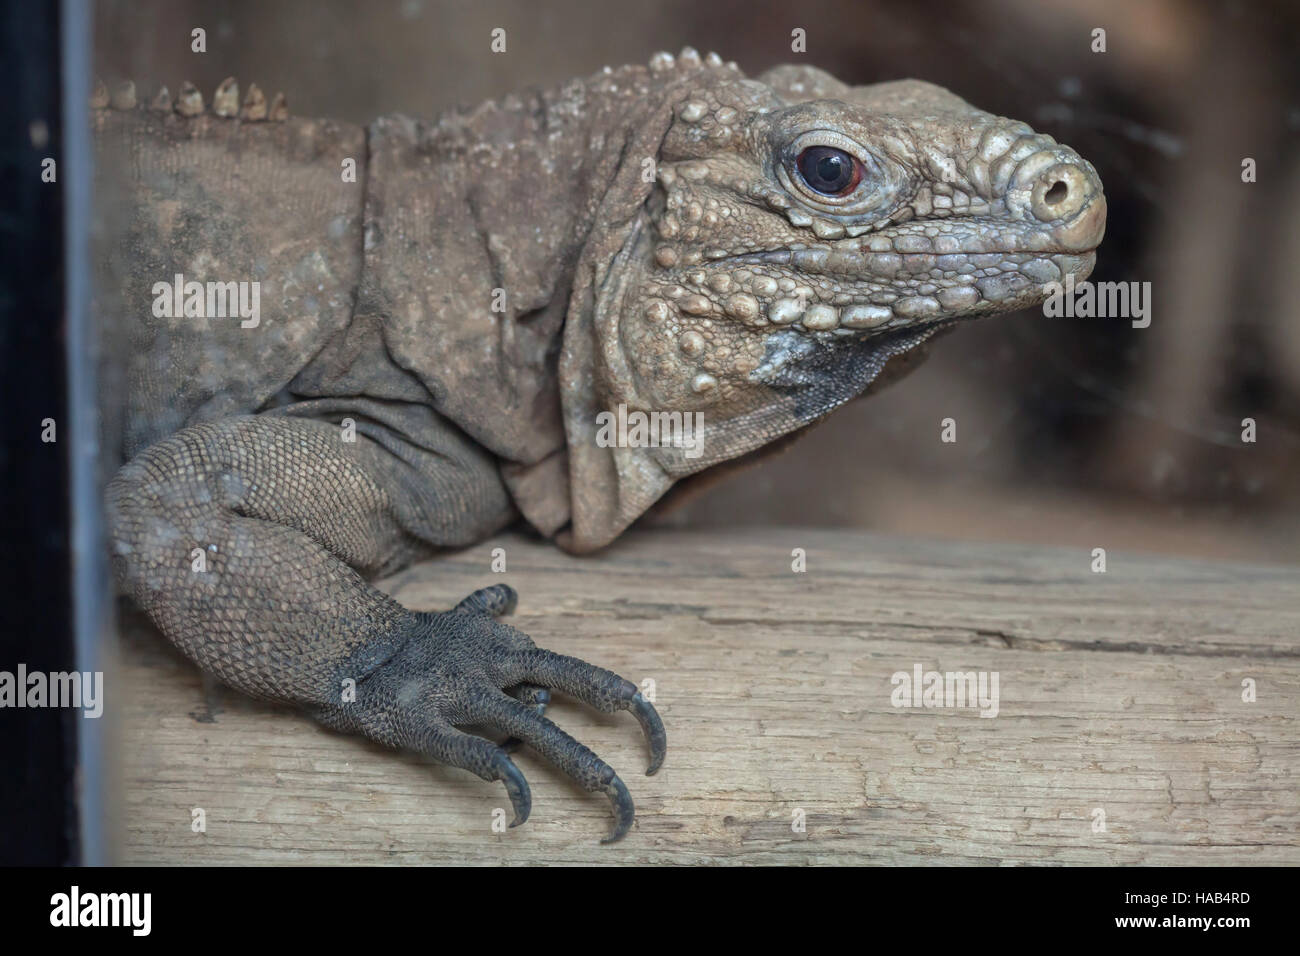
(835, 261)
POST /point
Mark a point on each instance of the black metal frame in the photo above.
(54, 615)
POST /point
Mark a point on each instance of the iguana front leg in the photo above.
(248, 542)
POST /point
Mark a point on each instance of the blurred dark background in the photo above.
(1077, 432)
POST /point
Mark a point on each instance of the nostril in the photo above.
(1059, 192)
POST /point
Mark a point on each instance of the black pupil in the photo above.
(826, 169)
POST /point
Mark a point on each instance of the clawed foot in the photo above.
(455, 669)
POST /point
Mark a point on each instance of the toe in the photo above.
(498, 599)
(502, 712)
(598, 688)
(481, 757)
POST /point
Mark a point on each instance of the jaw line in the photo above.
(784, 256)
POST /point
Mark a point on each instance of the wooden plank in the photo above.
(1119, 692)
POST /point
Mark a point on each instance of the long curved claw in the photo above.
(521, 798)
(502, 712)
(624, 809)
(653, 728)
(599, 688)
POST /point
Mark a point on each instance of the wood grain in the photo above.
(1119, 692)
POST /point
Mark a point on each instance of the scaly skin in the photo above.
(674, 238)
(750, 297)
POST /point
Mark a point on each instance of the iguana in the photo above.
(441, 330)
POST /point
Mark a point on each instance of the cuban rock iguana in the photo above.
(677, 237)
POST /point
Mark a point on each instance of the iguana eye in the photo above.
(829, 171)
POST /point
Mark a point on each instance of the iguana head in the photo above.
(800, 233)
